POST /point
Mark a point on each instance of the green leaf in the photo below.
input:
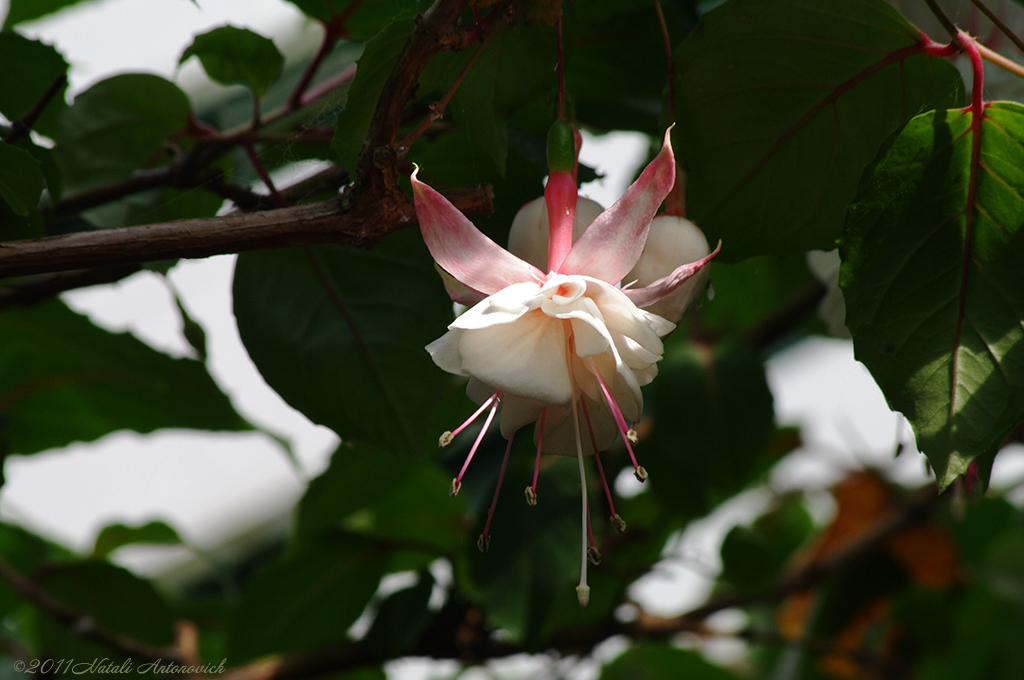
(752, 557)
(933, 284)
(237, 56)
(781, 105)
(39, 66)
(699, 452)
(21, 11)
(112, 597)
(375, 493)
(25, 552)
(660, 662)
(534, 554)
(62, 380)
(358, 19)
(21, 179)
(117, 126)
(306, 599)
(400, 619)
(114, 536)
(375, 66)
(340, 333)
(517, 66)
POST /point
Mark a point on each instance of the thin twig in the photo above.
(1003, 28)
(999, 60)
(24, 125)
(80, 623)
(946, 22)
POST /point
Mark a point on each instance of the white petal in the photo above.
(504, 307)
(516, 412)
(525, 359)
(445, 352)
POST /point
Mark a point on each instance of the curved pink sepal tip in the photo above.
(648, 295)
(461, 249)
(612, 244)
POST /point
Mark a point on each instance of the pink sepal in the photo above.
(612, 244)
(648, 295)
(462, 250)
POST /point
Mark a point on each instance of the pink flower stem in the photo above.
(620, 420)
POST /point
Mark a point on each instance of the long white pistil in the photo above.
(582, 590)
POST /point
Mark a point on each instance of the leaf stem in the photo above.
(24, 125)
(999, 60)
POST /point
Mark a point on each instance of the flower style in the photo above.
(568, 349)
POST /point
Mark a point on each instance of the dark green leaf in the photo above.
(25, 552)
(114, 536)
(933, 284)
(117, 126)
(400, 619)
(752, 557)
(39, 66)
(358, 19)
(111, 596)
(714, 422)
(339, 334)
(21, 179)
(375, 493)
(375, 66)
(517, 65)
(26, 10)
(534, 555)
(307, 598)
(62, 379)
(661, 662)
(782, 103)
(237, 56)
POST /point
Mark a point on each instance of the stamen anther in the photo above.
(456, 486)
(483, 543)
(632, 436)
(594, 555)
(619, 525)
(531, 496)
(446, 439)
(640, 473)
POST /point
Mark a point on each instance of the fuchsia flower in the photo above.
(562, 346)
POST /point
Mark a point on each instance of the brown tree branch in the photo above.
(78, 622)
(333, 221)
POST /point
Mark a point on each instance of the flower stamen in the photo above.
(447, 437)
(484, 542)
(616, 521)
(493, 401)
(628, 433)
(531, 491)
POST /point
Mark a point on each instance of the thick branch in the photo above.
(333, 221)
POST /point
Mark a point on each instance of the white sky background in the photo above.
(212, 486)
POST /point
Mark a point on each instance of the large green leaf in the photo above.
(307, 598)
(237, 56)
(933, 280)
(517, 66)
(39, 66)
(661, 662)
(115, 536)
(340, 333)
(117, 126)
(112, 597)
(375, 493)
(781, 104)
(62, 380)
(713, 422)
